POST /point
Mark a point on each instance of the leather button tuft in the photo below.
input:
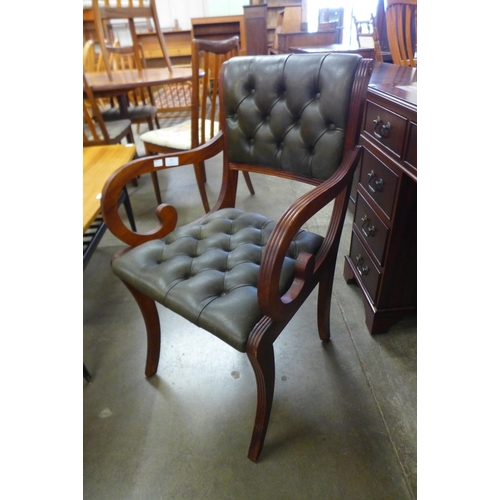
(317, 96)
(331, 126)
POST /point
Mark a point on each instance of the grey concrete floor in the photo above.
(343, 424)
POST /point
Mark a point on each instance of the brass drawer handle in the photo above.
(370, 229)
(363, 270)
(384, 129)
(379, 183)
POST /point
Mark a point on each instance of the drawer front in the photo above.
(386, 127)
(371, 228)
(379, 181)
(366, 270)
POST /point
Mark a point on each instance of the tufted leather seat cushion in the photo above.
(207, 272)
(289, 112)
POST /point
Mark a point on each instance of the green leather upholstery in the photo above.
(289, 112)
(207, 272)
(282, 112)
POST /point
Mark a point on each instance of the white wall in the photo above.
(184, 10)
(225, 7)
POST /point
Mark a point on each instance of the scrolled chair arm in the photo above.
(166, 214)
(272, 303)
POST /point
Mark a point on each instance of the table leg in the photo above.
(123, 105)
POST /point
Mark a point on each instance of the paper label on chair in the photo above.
(172, 162)
(158, 163)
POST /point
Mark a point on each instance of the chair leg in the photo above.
(153, 331)
(324, 304)
(128, 210)
(248, 181)
(156, 186)
(262, 360)
(199, 169)
(152, 102)
(154, 178)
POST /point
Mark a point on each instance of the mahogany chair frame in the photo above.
(277, 309)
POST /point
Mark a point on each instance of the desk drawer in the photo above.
(386, 127)
(379, 181)
(366, 269)
(371, 228)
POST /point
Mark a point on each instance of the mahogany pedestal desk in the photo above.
(382, 259)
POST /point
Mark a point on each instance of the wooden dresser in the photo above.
(382, 259)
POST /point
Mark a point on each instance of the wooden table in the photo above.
(367, 52)
(99, 162)
(124, 81)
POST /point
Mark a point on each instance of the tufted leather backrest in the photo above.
(288, 112)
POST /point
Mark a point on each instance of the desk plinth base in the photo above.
(377, 320)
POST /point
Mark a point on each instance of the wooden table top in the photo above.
(400, 82)
(130, 79)
(99, 162)
(335, 48)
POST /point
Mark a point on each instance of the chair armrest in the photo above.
(307, 266)
(166, 214)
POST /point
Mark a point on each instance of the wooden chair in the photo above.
(141, 107)
(207, 56)
(130, 10)
(90, 57)
(91, 65)
(236, 274)
(95, 130)
(401, 20)
(367, 35)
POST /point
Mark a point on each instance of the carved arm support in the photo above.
(307, 267)
(166, 214)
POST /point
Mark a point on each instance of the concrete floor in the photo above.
(343, 424)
